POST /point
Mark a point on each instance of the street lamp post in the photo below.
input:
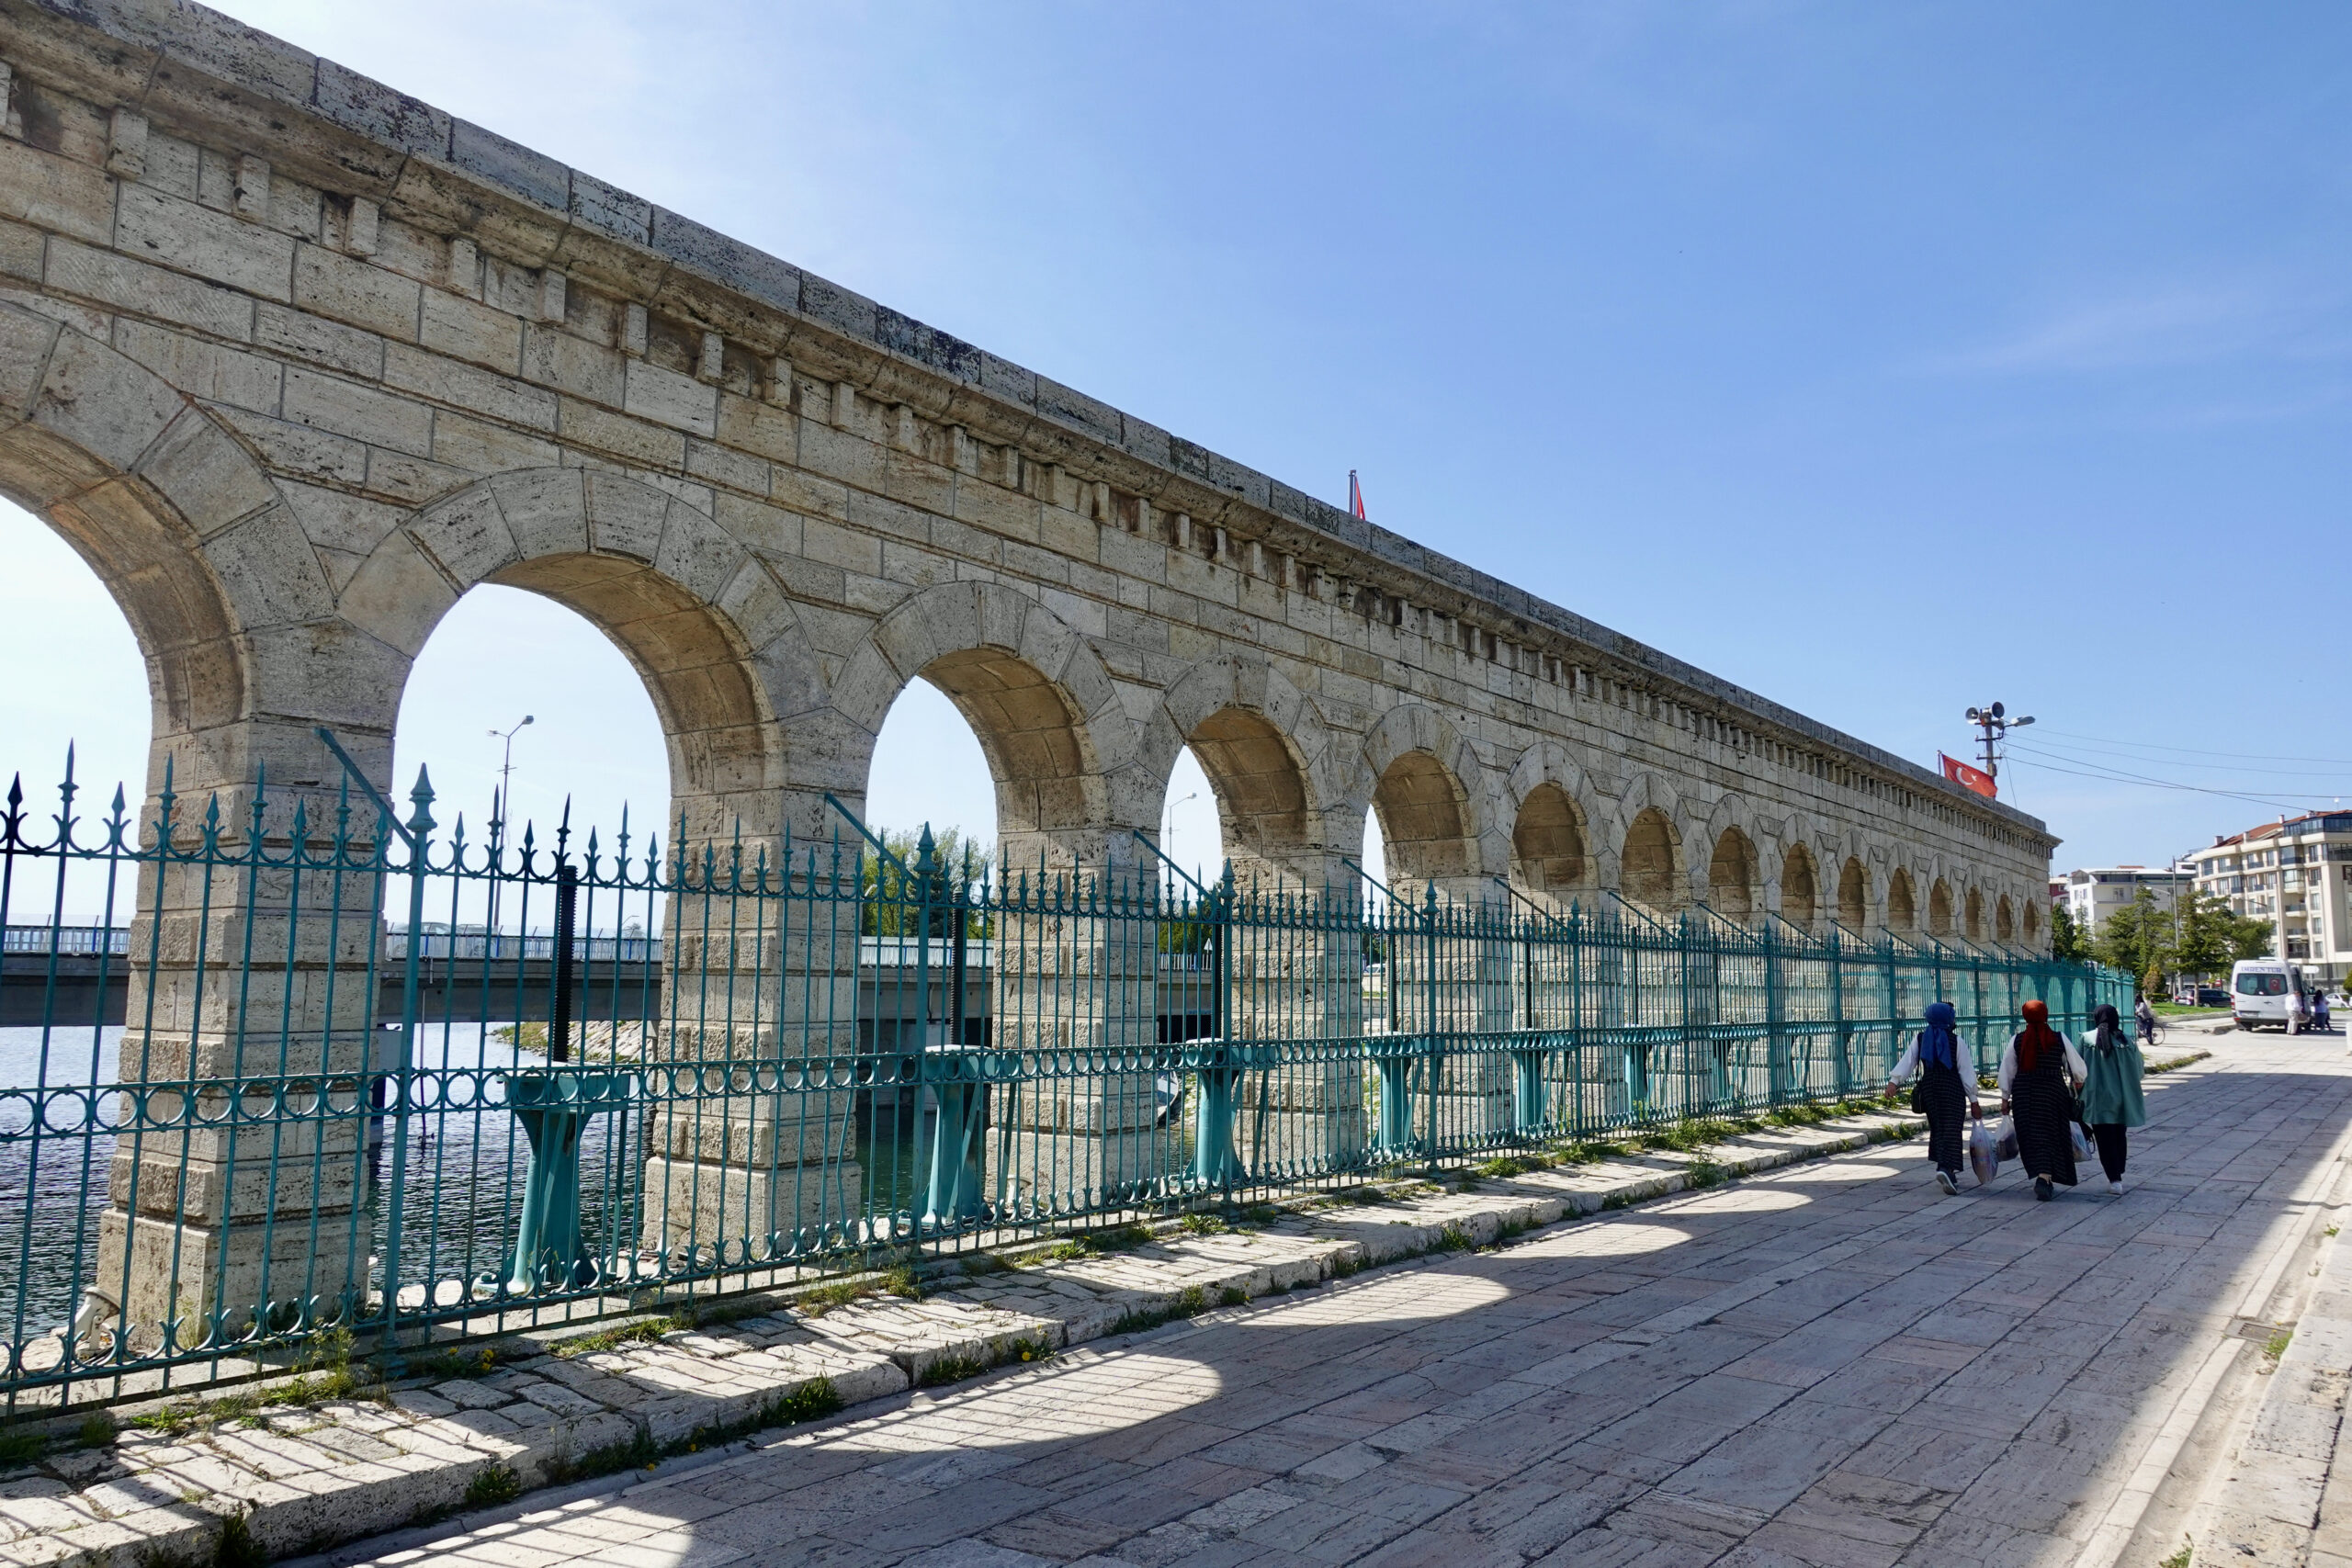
(498, 825)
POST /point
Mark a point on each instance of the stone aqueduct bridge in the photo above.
(296, 361)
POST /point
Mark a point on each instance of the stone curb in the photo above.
(304, 1480)
(2265, 1503)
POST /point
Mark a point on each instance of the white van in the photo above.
(2267, 992)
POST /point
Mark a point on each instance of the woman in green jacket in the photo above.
(2111, 1098)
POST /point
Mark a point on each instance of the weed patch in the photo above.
(1233, 1296)
(22, 1446)
(1190, 1301)
(1453, 1238)
(1704, 1173)
(1203, 1225)
(492, 1484)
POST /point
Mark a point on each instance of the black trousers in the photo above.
(2109, 1137)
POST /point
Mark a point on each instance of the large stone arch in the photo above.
(1800, 893)
(1733, 883)
(1853, 907)
(1070, 780)
(228, 601)
(1272, 762)
(1430, 789)
(1556, 823)
(1650, 863)
(699, 615)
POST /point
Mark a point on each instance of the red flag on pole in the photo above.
(1967, 777)
(1355, 496)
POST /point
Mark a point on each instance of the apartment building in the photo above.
(2301, 867)
(2092, 894)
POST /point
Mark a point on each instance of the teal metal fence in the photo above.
(282, 1065)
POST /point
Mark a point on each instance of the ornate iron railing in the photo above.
(307, 1123)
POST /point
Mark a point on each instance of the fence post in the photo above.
(420, 829)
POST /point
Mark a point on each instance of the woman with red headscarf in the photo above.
(2036, 1091)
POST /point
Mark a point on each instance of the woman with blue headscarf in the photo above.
(1947, 1091)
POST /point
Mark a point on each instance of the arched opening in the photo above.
(594, 744)
(1854, 896)
(1650, 870)
(1253, 807)
(1939, 909)
(2005, 920)
(91, 693)
(1048, 784)
(1547, 842)
(2033, 926)
(1799, 899)
(1424, 823)
(1731, 876)
(1975, 907)
(1902, 907)
(928, 771)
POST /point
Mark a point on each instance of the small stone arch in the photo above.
(1650, 867)
(1854, 896)
(2005, 922)
(2032, 921)
(1800, 888)
(706, 625)
(1426, 784)
(1069, 782)
(1268, 758)
(1902, 903)
(1940, 908)
(1732, 889)
(1551, 809)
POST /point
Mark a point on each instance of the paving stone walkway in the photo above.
(1828, 1364)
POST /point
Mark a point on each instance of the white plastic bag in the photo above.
(2005, 1145)
(2082, 1144)
(1983, 1152)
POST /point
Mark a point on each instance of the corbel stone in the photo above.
(1183, 530)
(554, 288)
(127, 144)
(633, 331)
(964, 453)
(780, 382)
(1143, 516)
(902, 427)
(359, 234)
(250, 200)
(713, 363)
(844, 404)
(10, 122)
(465, 267)
(1054, 484)
(1216, 544)
(1102, 501)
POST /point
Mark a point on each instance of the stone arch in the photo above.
(1800, 887)
(1940, 908)
(1651, 869)
(1069, 782)
(1731, 876)
(2005, 922)
(1854, 896)
(1902, 903)
(698, 614)
(1427, 784)
(1268, 758)
(1553, 810)
(229, 603)
(2031, 921)
(1974, 921)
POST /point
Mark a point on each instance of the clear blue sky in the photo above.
(1883, 359)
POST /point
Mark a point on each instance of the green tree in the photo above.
(2212, 938)
(892, 906)
(2067, 943)
(2136, 939)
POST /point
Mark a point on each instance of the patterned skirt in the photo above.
(1943, 1100)
(2043, 1108)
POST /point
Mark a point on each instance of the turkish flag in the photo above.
(1967, 777)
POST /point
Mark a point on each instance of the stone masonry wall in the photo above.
(294, 361)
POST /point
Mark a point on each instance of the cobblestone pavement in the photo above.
(1831, 1364)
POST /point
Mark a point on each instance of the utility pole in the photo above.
(1994, 720)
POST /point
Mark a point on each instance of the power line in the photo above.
(2110, 776)
(2216, 767)
(2194, 752)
